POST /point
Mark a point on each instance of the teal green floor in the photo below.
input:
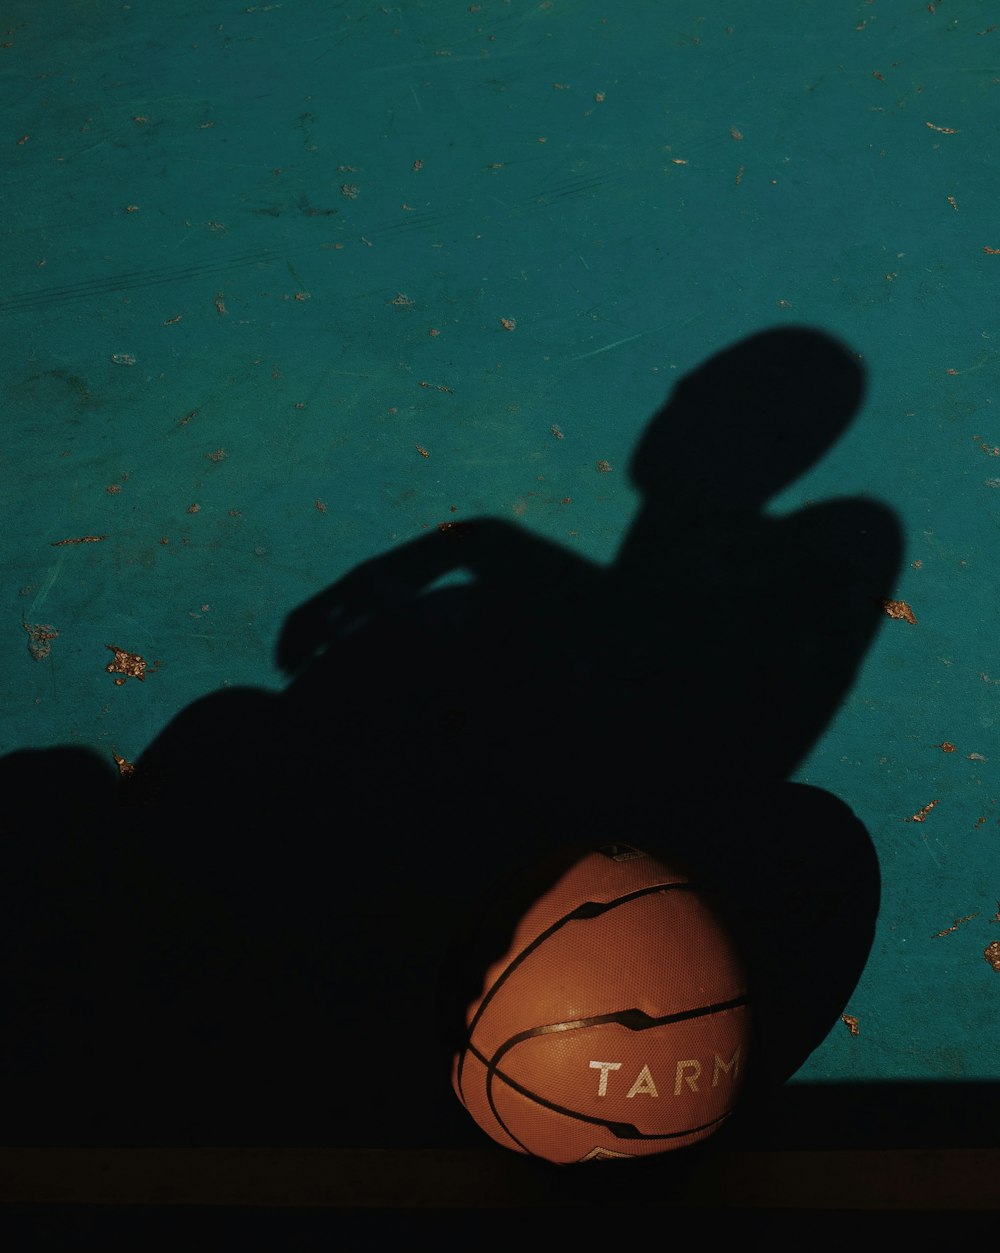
(287, 285)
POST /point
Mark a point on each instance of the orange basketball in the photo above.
(616, 1024)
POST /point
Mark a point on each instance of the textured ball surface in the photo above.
(616, 1024)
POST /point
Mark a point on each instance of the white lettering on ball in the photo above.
(686, 1075)
(691, 1080)
(644, 1083)
(604, 1067)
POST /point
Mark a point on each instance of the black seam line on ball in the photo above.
(589, 909)
(634, 1019)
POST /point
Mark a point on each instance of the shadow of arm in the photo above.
(494, 553)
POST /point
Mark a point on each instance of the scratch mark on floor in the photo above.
(46, 587)
(616, 344)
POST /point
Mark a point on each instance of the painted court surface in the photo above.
(289, 288)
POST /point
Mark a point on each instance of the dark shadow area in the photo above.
(259, 942)
(253, 1228)
(898, 1115)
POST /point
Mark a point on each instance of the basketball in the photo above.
(615, 1023)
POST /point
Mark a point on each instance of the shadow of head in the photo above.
(752, 418)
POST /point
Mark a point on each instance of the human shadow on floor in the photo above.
(278, 930)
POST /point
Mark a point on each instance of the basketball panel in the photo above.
(472, 1092)
(559, 1138)
(594, 877)
(661, 954)
(662, 1080)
